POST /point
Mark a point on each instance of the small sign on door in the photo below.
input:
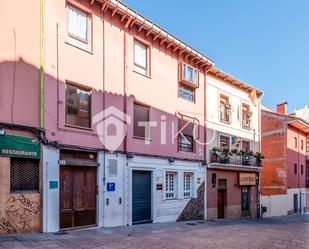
(53, 184)
(111, 187)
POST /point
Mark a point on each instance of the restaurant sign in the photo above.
(20, 146)
(247, 179)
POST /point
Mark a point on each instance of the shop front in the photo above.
(19, 183)
(232, 192)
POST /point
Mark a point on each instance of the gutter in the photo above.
(42, 6)
(122, 8)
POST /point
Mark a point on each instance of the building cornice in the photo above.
(130, 17)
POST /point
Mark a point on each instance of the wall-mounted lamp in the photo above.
(171, 159)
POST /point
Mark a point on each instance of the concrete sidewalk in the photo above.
(268, 233)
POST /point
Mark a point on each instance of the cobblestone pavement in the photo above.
(269, 233)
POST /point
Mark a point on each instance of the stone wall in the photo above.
(195, 207)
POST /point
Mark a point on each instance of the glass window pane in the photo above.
(78, 109)
(78, 23)
(140, 54)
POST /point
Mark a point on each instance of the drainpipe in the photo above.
(57, 51)
(205, 141)
(298, 172)
(42, 6)
(103, 105)
(125, 141)
(125, 66)
(258, 192)
(125, 84)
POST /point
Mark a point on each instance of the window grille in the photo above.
(170, 185)
(187, 185)
(24, 175)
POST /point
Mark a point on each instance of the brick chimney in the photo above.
(282, 108)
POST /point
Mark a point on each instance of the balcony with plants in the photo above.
(236, 157)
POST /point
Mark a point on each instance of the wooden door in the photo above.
(221, 204)
(77, 196)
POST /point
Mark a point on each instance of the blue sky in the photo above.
(262, 42)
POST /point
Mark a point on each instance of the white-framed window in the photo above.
(78, 27)
(187, 185)
(225, 109)
(186, 93)
(246, 116)
(170, 185)
(189, 74)
(141, 58)
(225, 143)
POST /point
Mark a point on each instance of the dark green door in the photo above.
(141, 198)
(245, 201)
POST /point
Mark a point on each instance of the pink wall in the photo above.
(296, 156)
(19, 62)
(159, 91)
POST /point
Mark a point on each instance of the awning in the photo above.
(20, 146)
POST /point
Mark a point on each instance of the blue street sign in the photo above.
(111, 186)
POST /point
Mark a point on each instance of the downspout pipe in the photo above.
(205, 141)
(258, 194)
(42, 6)
(42, 13)
(125, 83)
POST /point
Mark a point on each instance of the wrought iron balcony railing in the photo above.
(234, 160)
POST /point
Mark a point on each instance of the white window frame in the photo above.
(145, 70)
(224, 135)
(245, 140)
(188, 192)
(171, 190)
(75, 39)
(228, 97)
(242, 116)
(184, 74)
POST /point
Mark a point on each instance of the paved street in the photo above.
(286, 232)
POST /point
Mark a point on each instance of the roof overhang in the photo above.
(233, 81)
(130, 17)
(300, 124)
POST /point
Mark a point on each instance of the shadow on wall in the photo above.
(19, 93)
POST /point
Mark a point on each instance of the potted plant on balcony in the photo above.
(234, 151)
(245, 155)
(215, 154)
(224, 157)
(259, 158)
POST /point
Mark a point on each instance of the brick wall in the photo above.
(274, 172)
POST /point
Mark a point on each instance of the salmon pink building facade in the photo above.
(89, 73)
(104, 120)
(20, 149)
